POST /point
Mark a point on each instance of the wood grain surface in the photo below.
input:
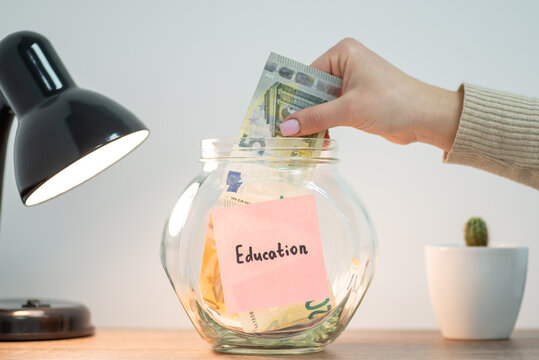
(352, 344)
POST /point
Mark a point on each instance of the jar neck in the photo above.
(274, 150)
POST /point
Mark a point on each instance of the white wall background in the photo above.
(188, 69)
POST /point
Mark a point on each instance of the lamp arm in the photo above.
(6, 119)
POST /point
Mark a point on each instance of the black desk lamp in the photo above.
(65, 136)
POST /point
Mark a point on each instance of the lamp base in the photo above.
(32, 319)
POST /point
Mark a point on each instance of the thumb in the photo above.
(315, 118)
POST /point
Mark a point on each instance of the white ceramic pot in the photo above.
(476, 291)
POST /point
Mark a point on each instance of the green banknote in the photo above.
(285, 87)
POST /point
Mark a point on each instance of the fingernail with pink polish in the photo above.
(289, 127)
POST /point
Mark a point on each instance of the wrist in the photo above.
(439, 117)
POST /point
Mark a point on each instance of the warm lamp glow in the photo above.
(86, 167)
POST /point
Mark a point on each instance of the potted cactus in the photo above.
(475, 289)
(475, 232)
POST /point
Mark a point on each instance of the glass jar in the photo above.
(250, 177)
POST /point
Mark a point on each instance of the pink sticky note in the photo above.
(257, 272)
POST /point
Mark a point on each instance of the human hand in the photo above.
(379, 99)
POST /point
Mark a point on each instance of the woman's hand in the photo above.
(380, 99)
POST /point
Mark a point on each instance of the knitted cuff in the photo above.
(498, 132)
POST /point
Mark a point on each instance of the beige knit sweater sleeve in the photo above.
(498, 132)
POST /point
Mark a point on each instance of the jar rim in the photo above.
(270, 148)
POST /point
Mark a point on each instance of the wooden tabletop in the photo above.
(352, 344)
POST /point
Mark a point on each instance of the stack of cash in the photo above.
(285, 87)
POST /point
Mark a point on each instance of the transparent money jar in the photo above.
(239, 191)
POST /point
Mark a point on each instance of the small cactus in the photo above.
(476, 233)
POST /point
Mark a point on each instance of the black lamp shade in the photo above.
(63, 131)
(66, 134)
